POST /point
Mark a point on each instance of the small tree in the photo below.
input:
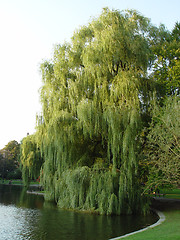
(163, 146)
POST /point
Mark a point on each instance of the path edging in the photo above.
(161, 219)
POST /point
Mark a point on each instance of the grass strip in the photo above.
(170, 191)
(17, 182)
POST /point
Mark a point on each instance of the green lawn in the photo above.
(168, 230)
(168, 193)
(175, 196)
(16, 182)
(171, 193)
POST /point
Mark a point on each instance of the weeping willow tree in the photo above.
(91, 101)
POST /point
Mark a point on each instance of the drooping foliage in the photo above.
(31, 159)
(91, 97)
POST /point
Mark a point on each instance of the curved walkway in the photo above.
(161, 219)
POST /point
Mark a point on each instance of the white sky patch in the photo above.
(20, 52)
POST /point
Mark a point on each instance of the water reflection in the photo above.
(26, 216)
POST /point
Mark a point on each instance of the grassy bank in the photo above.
(16, 182)
(167, 193)
(171, 193)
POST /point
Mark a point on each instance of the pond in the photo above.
(27, 216)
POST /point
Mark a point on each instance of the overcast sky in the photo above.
(28, 31)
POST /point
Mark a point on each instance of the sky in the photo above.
(28, 31)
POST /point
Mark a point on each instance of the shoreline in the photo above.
(162, 218)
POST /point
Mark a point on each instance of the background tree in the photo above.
(167, 65)
(165, 73)
(9, 160)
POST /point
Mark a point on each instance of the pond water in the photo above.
(27, 216)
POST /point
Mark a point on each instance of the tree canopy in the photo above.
(167, 65)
